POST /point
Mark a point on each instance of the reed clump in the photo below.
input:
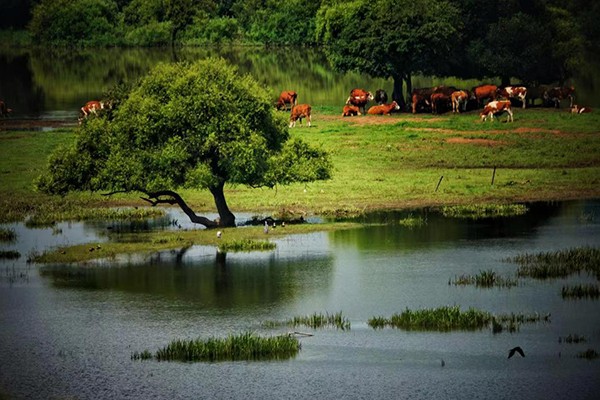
(246, 245)
(413, 222)
(242, 347)
(480, 211)
(484, 279)
(572, 338)
(48, 217)
(589, 354)
(580, 292)
(7, 235)
(314, 321)
(559, 264)
(9, 254)
(451, 318)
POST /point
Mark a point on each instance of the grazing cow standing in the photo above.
(580, 110)
(514, 92)
(287, 97)
(556, 94)
(459, 97)
(91, 107)
(497, 107)
(4, 110)
(350, 111)
(381, 97)
(420, 98)
(441, 97)
(482, 92)
(383, 109)
(298, 112)
(359, 98)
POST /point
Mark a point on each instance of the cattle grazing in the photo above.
(350, 111)
(458, 98)
(359, 98)
(381, 97)
(497, 107)
(483, 92)
(4, 110)
(440, 98)
(514, 92)
(556, 94)
(580, 110)
(91, 107)
(298, 112)
(383, 109)
(420, 98)
(287, 97)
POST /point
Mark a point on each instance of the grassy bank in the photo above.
(396, 161)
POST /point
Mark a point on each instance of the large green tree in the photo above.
(389, 38)
(198, 125)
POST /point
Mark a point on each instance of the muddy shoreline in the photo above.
(18, 124)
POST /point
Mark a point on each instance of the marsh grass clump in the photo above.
(243, 347)
(314, 321)
(580, 291)
(49, 217)
(7, 235)
(451, 318)
(412, 222)
(484, 279)
(559, 264)
(480, 211)
(9, 254)
(246, 245)
(575, 338)
(589, 354)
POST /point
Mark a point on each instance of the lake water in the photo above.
(54, 84)
(69, 331)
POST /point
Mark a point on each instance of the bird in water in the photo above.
(514, 350)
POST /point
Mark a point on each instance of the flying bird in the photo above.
(514, 350)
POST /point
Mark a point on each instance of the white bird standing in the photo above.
(266, 229)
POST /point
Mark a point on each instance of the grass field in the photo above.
(380, 162)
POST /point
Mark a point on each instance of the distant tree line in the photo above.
(529, 40)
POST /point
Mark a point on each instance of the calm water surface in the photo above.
(69, 331)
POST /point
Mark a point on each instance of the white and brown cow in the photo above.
(514, 92)
(298, 112)
(359, 98)
(556, 94)
(497, 107)
(580, 109)
(384, 109)
(458, 98)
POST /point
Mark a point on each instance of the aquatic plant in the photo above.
(589, 354)
(245, 346)
(575, 338)
(7, 235)
(49, 217)
(479, 211)
(9, 254)
(451, 318)
(484, 279)
(559, 264)
(580, 291)
(246, 245)
(314, 321)
(413, 222)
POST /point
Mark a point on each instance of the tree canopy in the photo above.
(186, 125)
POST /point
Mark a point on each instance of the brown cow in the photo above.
(497, 107)
(556, 94)
(459, 97)
(384, 109)
(359, 98)
(287, 97)
(4, 110)
(440, 97)
(298, 112)
(350, 111)
(482, 92)
(580, 110)
(514, 92)
(420, 98)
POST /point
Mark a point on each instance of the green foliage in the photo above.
(479, 211)
(7, 235)
(580, 291)
(76, 23)
(212, 31)
(559, 264)
(246, 245)
(151, 34)
(484, 279)
(143, 12)
(314, 321)
(9, 254)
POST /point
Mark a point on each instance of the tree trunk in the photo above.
(397, 94)
(226, 216)
(155, 198)
(409, 88)
(505, 81)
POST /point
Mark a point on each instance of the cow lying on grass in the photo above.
(350, 111)
(384, 109)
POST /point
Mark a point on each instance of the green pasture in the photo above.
(380, 162)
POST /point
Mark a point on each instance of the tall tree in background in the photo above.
(389, 38)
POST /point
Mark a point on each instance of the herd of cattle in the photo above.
(495, 100)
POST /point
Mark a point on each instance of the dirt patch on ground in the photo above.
(375, 119)
(13, 124)
(479, 142)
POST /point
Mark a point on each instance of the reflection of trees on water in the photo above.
(222, 281)
(16, 86)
